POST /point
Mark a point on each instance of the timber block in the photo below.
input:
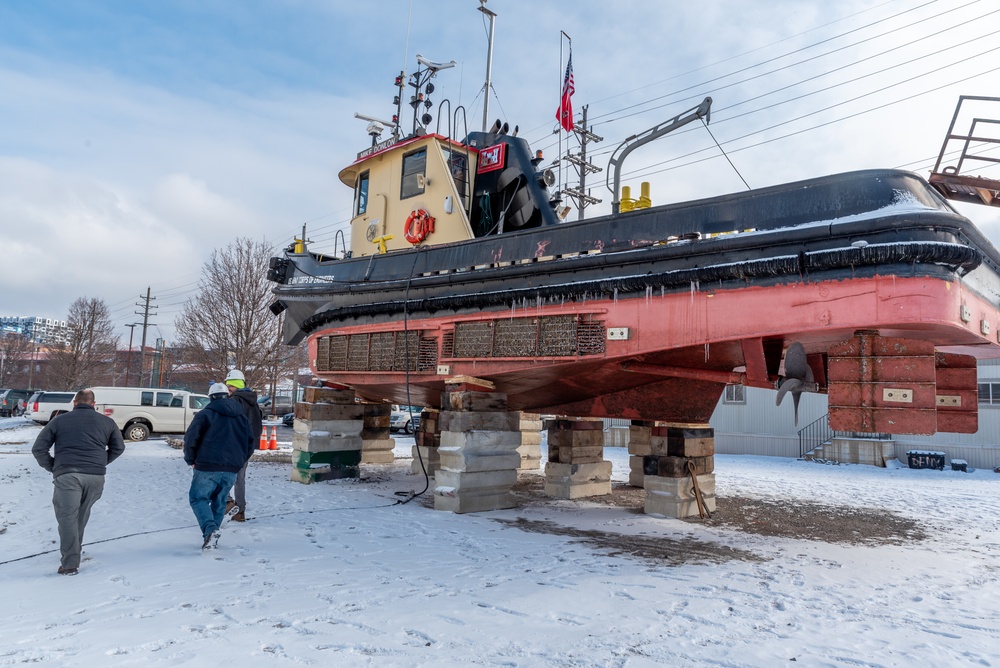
(319, 474)
(481, 441)
(316, 412)
(577, 439)
(375, 433)
(531, 438)
(474, 401)
(638, 434)
(531, 457)
(691, 447)
(578, 425)
(677, 467)
(470, 492)
(326, 395)
(428, 440)
(570, 455)
(635, 473)
(658, 446)
(341, 458)
(674, 497)
(318, 441)
(472, 502)
(429, 421)
(576, 481)
(341, 428)
(375, 445)
(459, 460)
(378, 457)
(456, 421)
(430, 458)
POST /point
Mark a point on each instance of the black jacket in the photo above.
(248, 402)
(85, 442)
(219, 437)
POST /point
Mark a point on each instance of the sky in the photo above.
(337, 573)
(138, 137)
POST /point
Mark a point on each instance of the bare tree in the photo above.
(88, 356)
(15, 356)
(228, 324)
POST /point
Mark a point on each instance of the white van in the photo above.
(140, 410)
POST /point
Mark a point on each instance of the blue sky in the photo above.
(136, 137)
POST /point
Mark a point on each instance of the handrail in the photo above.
(818, 432)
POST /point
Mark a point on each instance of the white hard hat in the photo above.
(218, 388)
(236, 374)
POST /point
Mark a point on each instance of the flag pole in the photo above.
(562, 34)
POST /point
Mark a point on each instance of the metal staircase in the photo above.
(817, 433)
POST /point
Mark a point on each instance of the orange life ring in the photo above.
(418, 225)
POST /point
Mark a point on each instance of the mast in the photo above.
(489, 64)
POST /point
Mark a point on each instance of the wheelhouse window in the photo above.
(361, 195)
(735, 394)
(414, 171)
(458, 166)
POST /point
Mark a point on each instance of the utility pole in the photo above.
(128, 362)
(583, 166)
(145, 325)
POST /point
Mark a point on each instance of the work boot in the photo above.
(240, 517)
(230, 504)
(67, 571)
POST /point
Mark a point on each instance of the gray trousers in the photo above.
(72, 499)
(240, 488)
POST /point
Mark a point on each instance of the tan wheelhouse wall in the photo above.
(386, 211)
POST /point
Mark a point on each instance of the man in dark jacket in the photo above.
(247, 398)
(216, 445)
(85, 443)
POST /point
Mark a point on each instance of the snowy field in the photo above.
(339, 574)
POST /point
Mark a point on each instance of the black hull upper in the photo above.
(876, 222)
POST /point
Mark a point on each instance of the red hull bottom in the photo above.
(661, 357)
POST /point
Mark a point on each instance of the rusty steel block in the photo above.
(895, 369)
(883, 420)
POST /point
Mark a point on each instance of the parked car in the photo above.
(288, 419)
(405, 419)
(12, 402)
(138, 411)
(43, 406)
(279, 406)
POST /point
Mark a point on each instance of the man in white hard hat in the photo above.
(247, 398)
(217, 445)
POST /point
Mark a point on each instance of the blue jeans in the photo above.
(207, 496)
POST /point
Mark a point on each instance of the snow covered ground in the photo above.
(338, 573)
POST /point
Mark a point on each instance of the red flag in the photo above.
(565, 112)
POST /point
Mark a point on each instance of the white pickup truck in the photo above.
(138, 411)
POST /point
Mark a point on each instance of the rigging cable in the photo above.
(724, 153)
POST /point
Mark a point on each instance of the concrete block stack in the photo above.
(640, 433)
(531, 441)
(376, 441)
(428, 440)
(576, 467)
(676, 449)
(326, 444)
(478, 452)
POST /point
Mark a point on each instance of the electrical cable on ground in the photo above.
(190, 526)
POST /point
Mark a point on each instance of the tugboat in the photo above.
(867, 285)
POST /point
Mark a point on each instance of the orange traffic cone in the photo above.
(273, 443)
(263, 439)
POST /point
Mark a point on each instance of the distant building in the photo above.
(45, 331)
(747, 422)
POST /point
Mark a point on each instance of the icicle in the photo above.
(706, 352)
(663, 291)
(649, 293)
(615, 296)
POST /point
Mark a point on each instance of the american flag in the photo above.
(565, 112)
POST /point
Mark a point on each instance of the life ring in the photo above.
(418, 225)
